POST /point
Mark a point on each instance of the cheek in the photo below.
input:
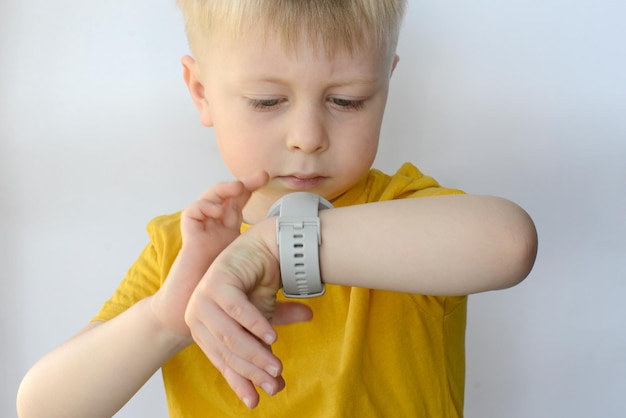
(242, 154)
(367, 148)
(232, 150)
(366, 157)
(364, 141)
(357, 155)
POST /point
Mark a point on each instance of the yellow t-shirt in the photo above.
(366, 353)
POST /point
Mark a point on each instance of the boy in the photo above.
(295, 91)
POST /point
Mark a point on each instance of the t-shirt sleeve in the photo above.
(148, 272)
(409, 182)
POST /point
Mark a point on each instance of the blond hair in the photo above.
(337, 24)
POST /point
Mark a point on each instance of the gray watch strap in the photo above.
(298, 235)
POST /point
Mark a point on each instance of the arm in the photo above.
(449, 245)
(98, 371)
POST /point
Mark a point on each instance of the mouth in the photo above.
(302, 181)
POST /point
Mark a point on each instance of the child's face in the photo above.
(311, 122)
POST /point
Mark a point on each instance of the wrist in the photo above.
(265, 232)
(169, 340)
(298, 231)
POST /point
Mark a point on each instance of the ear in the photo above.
(191, 74)
(396, 59)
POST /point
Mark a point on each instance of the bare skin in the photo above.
(283, 123)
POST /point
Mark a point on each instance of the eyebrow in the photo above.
(358, 80)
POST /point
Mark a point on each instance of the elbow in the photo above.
(23, 402)
(30, 401)
(521, 249)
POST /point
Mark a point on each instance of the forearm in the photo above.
(449, 245)
(98, 371)
(452, 245)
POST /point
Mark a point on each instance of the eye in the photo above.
(264, 104)
(347, 104)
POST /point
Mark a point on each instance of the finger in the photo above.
(228, 361)
(235, 304)
(225, 340)
(220, 192)
(255, 181)
(246, 355)
(291, 312)
(203, 209)
(233, 215)
(243, 388)
(231, 348)
(230, 197)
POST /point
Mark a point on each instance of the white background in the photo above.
(522, 99)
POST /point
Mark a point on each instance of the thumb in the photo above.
(291, 312)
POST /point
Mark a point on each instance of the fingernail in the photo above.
(268, 388)
(272, 370)
(268, 338)
(248, 402)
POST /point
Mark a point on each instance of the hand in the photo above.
(207, 227)
(231, 313)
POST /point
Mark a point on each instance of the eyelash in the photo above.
(264, 104)
(269, 104)
(347, 104)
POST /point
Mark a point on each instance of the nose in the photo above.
(308, 132)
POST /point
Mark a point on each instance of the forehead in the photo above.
(251, 56)
(259, 47)
(293, 43)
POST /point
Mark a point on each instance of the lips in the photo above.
(302, 181)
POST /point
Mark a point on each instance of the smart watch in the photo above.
(299, 237)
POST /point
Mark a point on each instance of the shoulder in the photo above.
(147, 273)
(407, 181)
(165, 225)
(165, 235)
